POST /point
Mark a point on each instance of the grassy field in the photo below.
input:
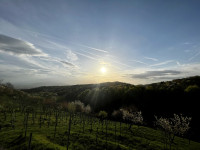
(86, 133)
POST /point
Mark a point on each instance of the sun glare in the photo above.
(103, 70)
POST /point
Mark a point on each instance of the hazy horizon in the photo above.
(68, 42)
(37, 85)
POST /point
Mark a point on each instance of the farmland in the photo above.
(86, 132)
(43, 118)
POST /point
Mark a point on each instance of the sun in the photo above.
(103, 70)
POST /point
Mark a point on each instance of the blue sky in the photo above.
(62, 42)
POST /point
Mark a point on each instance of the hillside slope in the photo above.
(163, 98)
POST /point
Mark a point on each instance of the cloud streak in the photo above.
(87, 56)
(67, 63)
(18, 47)
(162, 63)
(149, 58)
(137, 61)
(191, 58)
(153, 74)
(27, 51)
(93, 48)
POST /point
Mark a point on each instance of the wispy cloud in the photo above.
(92, 48)
(120, 63)
(27, 51)
(18, 47)
(87, 56)
(197, 54)
(98, 58)
(57, 45)
(58, 60)
(162, 63)
(153, 74)
(137, 61)
(32, 61)
(150, 58)
(71, 56)
(67, 63)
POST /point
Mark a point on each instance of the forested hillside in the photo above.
(162, 99)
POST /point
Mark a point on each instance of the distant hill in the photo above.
(177, 95)
(163, 98)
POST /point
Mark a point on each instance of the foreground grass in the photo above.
(83, 135)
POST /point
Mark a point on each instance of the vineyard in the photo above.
(58, 129)
(40, 121)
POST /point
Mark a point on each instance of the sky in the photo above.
(66, 42)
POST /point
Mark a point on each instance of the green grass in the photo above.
(43, 138)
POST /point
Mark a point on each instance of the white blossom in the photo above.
(135, 117)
